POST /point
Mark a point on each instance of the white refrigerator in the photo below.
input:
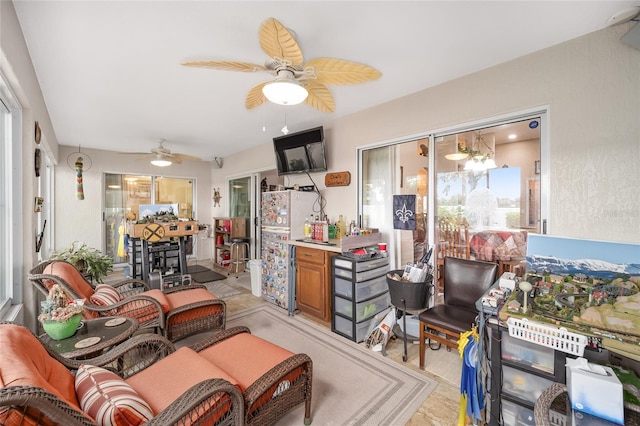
(282, 219)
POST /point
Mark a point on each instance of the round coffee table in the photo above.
(93, 336)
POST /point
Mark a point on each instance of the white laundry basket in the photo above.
(255, 266)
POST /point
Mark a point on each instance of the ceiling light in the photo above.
(513, 136)
(161, 162)
(481, 156)
(285, 90)
(459, 149)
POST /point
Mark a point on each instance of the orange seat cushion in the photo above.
(160, 297)
(186, 297)
(163, 382)
(246, 357)
(25, 362)
(71, 275)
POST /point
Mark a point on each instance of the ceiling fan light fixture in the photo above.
(285, 90)
(161, 162)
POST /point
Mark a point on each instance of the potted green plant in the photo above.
(88, 260)
(58, 316)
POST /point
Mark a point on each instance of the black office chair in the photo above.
(465, 281)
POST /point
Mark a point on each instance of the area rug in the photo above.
(221, 290)
(207, 276)
(193, 269)
(351, 385)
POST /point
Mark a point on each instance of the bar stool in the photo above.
(239, 254)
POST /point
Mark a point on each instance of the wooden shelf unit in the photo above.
(224, 229)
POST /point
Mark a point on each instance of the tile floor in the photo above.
(439, 409)
(441, 406)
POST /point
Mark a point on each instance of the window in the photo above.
(124, 194)
(476, 179)
(10, 200)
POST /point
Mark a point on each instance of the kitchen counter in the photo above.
(333, 245)
(341, 245)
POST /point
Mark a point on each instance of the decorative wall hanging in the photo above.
(404, 207)
(80, 163)
(337, 179)
(37, 158)
(37, 135)
(216, 197)
(37, 204)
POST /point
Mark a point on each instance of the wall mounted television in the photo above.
(301, 152)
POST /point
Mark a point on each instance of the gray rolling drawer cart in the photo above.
(359, 291)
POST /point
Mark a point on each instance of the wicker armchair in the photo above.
(32, 400)
(177, 313)
(277, 381)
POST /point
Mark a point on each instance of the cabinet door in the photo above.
(311, 289)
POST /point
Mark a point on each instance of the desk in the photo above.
(109, 336)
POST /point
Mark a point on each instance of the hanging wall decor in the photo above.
(216, 197)
(79, 162)
(37, 158)
(404, 207)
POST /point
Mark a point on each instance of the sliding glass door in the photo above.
(486, 191)
(124, 194)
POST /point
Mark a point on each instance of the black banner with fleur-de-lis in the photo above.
(404, 208)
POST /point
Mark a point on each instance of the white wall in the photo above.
(16, 67)
(592, 88)
(81, 220)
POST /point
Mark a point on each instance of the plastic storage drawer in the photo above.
(523, 385)
(364, 290)
(527, 354)
(361, 276)
(345, 327)
(362, 265)
(364, 310)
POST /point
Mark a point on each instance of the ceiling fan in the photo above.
(162, 156)
(306, 81)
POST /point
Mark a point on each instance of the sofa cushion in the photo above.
(107, 398)
(163, 382)
(25, 362)
(105, 295)
(246, 357)
(160, 297)
(71, 275)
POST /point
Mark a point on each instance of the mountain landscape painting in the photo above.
(570, 256)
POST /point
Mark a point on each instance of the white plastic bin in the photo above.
(255, 266)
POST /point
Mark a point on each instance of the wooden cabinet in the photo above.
(224, 229)
(313, 282)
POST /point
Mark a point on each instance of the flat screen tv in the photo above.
(301, 152)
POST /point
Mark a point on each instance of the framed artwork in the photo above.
(536, 167)
(37, 204)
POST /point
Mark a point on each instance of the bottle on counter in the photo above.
(352, 228)
(307, 229)
(325, 230)
(341, 227)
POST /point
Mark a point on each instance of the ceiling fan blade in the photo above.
(339, 72)
(278, 42)
(133, 153)
(186, 157)
(255, 97)
(226, 65)
(320, 97)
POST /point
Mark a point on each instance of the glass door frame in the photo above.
(541, 113)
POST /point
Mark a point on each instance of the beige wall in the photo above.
(591, 86)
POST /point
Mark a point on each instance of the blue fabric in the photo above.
(469, 386)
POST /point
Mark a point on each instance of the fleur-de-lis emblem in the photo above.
(403, 214)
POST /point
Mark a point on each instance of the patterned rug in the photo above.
(221, 290)
(351, 385)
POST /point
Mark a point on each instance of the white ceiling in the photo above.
(111, 76)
